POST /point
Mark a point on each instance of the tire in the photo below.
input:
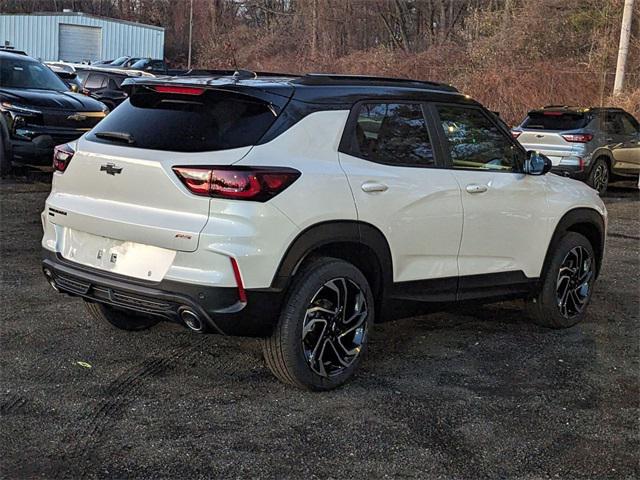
(5, 157)
(599, 176)
(306, 346)
(119, 318)
(567, 284)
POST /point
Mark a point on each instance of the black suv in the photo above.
(38, 111)
(103, 85)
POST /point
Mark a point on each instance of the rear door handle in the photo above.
(475, 188)
(372, 187)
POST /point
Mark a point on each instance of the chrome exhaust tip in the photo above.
(49, 275)
(191, 320)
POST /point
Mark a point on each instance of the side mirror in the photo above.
(74, 88)
(537, 163)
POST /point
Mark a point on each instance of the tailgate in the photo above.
(548, 143)
(132, 194)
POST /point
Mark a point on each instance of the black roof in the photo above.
(11, 53)
(334, 89)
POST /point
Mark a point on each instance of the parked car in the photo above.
(67, 74)
(155, 66)
(121, 62)
(595, 145)
(303, 209)
(104, 85)
(37, 111)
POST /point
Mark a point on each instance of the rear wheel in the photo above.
(119, 318)
(599, 176)
(323, 329)
(566, 285)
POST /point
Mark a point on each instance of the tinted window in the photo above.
(189, 123)
(475, 141)
(82, 75)
(24, 73)
(393, 133)
(96, 81)
(630, 124)
(553, 120)
(112, 84)
(618, 123)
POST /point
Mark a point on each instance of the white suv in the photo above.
(303, 209)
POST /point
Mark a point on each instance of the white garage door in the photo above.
(79, 43)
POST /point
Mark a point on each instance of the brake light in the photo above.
(515, 134)
(553, 114)
(237, 183)
(578, 137)
(62, 155)
(178, 90)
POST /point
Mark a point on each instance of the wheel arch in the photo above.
(356, 242)
(585, 221)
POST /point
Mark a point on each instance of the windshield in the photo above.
(210, 121)
(119, 61)
(24, 73)
(139, 64)
(553, 120)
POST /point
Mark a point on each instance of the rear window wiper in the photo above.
(117, 136)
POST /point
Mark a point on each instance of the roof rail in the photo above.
(363, 80)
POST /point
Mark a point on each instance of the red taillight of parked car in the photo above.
(578, 137)
(515, 134)
(62, 155)
(237, 183)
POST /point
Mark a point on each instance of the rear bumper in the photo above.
(217, 307)
(570, 171)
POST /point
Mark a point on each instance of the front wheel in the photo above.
(323, 329)
(567, 284)
(5, 157)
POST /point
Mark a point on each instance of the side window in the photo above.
(629, 125)
(613, 123)
(393, 133)
(95, 81)
(475, 142)
(112, 84)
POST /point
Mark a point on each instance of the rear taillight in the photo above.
(237, 183)
(578, 137)
(62, 155)
(515, 134)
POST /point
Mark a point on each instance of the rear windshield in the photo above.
(211, 121)
(556, 121)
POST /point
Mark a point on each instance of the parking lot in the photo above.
(479, 393)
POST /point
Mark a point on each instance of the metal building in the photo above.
(78, 37)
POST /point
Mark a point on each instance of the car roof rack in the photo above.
(364, 80)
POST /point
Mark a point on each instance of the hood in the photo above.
(50, 99)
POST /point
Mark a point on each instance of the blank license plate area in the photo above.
(137, 260)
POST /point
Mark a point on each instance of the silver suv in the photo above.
(595, 145)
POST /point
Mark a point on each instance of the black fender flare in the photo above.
(585, 221)
(334, 232)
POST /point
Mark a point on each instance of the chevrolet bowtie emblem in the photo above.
(77, 117)
(110, 168)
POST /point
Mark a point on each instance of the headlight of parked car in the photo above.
(13, 107)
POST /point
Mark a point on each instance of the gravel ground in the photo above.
(480, 393)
